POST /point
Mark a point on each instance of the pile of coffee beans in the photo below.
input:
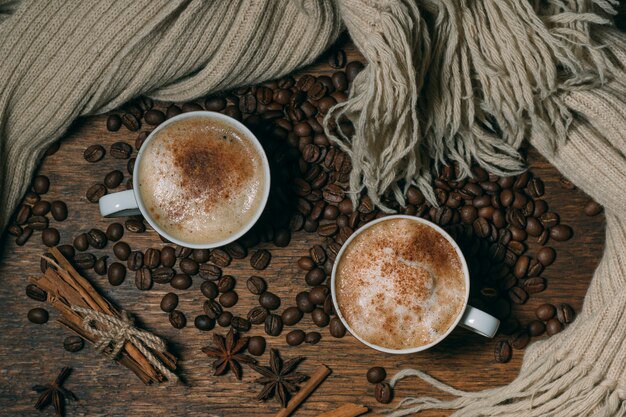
(492, 218)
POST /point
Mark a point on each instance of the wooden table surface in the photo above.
(33, 354)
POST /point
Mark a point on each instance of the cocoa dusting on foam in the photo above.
(201, 180)
(400, 284)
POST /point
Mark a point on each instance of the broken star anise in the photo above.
(226, 352)
(279, 379)
(54, 393)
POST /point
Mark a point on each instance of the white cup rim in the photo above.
(266, 169)
(334, 292)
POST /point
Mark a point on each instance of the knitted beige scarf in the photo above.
(447, 80)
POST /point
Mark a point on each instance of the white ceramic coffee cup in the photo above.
(129, 203)
(470, 317)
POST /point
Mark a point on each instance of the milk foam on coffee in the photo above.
(201, 180)
(400, 284)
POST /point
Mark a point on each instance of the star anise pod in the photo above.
(279, 379)
(54, 393)
(226, 352)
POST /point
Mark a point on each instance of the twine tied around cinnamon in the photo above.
(114, 331)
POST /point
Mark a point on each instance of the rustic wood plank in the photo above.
(32, 354)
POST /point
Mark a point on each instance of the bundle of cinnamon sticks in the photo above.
(67, 288)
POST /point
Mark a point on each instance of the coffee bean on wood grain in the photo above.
(135, 225)
(312, 338)
(256, 345)
(273, 325)
(503, 351)
(553, 326)
(304, 303)
(592, 208)
(177, 319)
(256, 285)
(546, 256)
(41, 184)
(36, 293)
(100, 267)
(212, 308)
(181, 281)
(113, 179)
(291, 316)
(565, 313)
(225, 319)
(561, 232)
(120, 150)
(376, 374)
(204, 322)
(260, 259)
(143, 279)
(38, 315)
(95, 192)
(241, 324)
(536, 328)
(228, 299)
(50, 237)
(383, 393)
(73, 343)
(94, 153)
(336, 328)
(220, 258)
(116, 273)
(295, 337)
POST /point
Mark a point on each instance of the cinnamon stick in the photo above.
(346, 410)
(316, 379)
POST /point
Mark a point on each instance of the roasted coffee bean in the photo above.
(340, 81)
(312, 338)
(256, 285)
(181, 281)
(97, 238)
(120, 150)
(317, 90)
(189, 107)
(73, 343)
(116, 273)
(303, 302)
(536, 328)
(545, 312)
(236, 250)
(535, 187)
(336, 328)
(204, 322)
(226, 283)
(546, 256)
(592, 208)
(141, 138)
(247, 104)
(503, 351)
(188, 266)
(553, 326)
(143, 279)
(517, 247)
(67, 250)
(220, 257)
(41, 208)
(114, 122)
(225, 319)
(291, 316)
(22, 214)
(520, 339)
(376, 374)
(163, 275)
(41, 184)
(273, 325)
(320, 318)
(534, 268)
(94, 153)
(31, 198)
(173, 110)
(212, 308)
(482, 228)
(306, 263)
(38, 222)
(152, 258)
(318, 254)
(207, 271)
(154, 117)
(134, 225)
(38, 315)
(113, 179)
(282, 237)
(84, 260)
(115, 231)
(549, 219)
(120, 249)
(257, 315)
(50, 237)
(318, 295)
(36, 293)
(131, 122)
(240, 324)
(468, 214)
(256, 345)
(269, 300)
(260, 259)
(516, 218)
(333, 194)
(209, 289)
(315, 276)
(383, 393)
(534, 285)
(200, 255)
(561, 232)
(533, 227)
(521, 266)
(518, 295)
(215, 103)
(168, 256)
(228, 299)
(135, 260)
(177, 319)
(233, 111)
(95, 192)
(100, 267)
(353, 69)
(295, 337)
(337, 58)
(565, 313)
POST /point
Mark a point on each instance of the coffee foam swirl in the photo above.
(400, 284)
(201, 181)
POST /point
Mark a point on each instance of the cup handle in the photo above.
(119, 204)
(479, 322)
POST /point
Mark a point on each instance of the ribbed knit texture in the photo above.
(460, 81)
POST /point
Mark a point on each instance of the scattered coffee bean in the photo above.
(200, 255)
(131, 122)
(113, 179)
(536, 328)
(312, 338)
(228, 299)
(212, 308)
(135, 260)
(520, 340)
(143, 279)
(260, 259)
(291, 316)
(36, 293)
(534, 285)
(94, 153)
(95, 192)
(73, 343)
(177, 319)
(38, 222)
(114, 232)
(376, 375)
(258, 315)
(181, 281)
(50, 237)
(256, 345)
(97, 238)
(304, 303)
(220, 258)
(256, 285)
(207, 271)
(320, 318)
(135, 225)
(546, 256)
(503, 351)
(215, 103)
(337, 328)
(84, 261)
(565, 313)
(168, 256)
(306, 263)
(549, 219)
(592, 208)
(120, 249)
(518, 295)
(561, 232)
(318, 295)
(295, 337)
(116, 273)
(269, 300)
(204, 322)
(41, 184)
(154, 117)
(553, 326)
(318, 254)
(225, 319)
(226, 283)
(188, 266)
(315, 276)
(114, 122)
(120, 150)
(38, 315)
(100, 267)
(545, 312)
(23, 214)
(273, 325)
(337, 58)
(383, 393)
(240, 324)
(23, 238)
(353, 69)
(41, 208)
